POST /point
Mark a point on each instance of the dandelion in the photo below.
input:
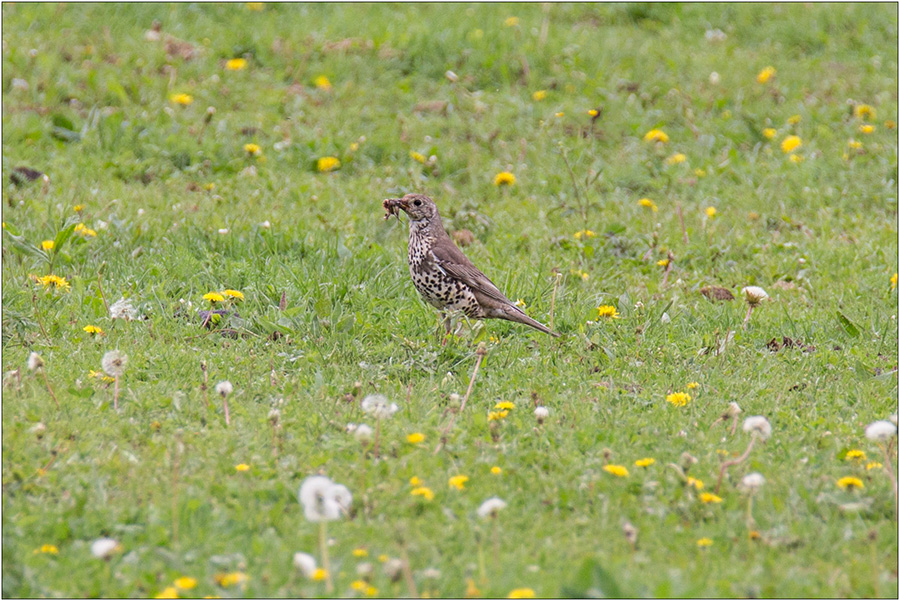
(699, 172)
(231, 579)
(770, 132)
(417, 157)
(322, 83)
(678, 399)
(326, 164)
(185, 583)
(223, 389)
(593, 112)
(78, 208)
(692, 385)
(235, 294)
(35, 362)
(520, 303)
(521, 593)
(255, 6)
(855, 454)
(607, 312)
(92, 330)
(496, 470)
(103, 548)
(890, 124)
(656, 135)
(791, 143)
(360, 552)
(58, 282)
(765, 75)
(252, 149)
(491, 508)
(863, 111)
(458, 482)
(241, 467)
(559, 114)
(873, 465)
(754, 295)
(84, 231)
(363, 434)
(645, 462)
(752, 482)
(324, 501)
(704, 542)
(170, 592)
(708, 497)
(541, 413)
(47, 549)
(214, 297)
(881, 431)
(849, 482)
(758, 426)
(730, 413)
(113, 363)
(796, 158)
(319, 575)
(505, 405)
(648, 204)
(866, 128)
(497, 415)
(511, 22)
(854, 144)
(676, 158)
(122, 309)
(584, 234)
(47, 245)
(415, 438)
(236, 64)
(182, 99)
(305, 562)
(504, 178)
(696, 483)
(424, 492)
(620, 471)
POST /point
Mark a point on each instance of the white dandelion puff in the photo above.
(491, 507)
(306, 563)
(35, 361)
(224, 388)
(113, 363)
(758, 425)
(881, 431)
(378, 406)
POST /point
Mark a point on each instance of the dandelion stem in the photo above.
(205, 385)
(480, 352)
(407, 572)
(100, 287)
(116, 393)
(53, 396)
(227, 414)
(323, 550)
(496, 543)
(377, 436)
(725, 465)
(747, 317)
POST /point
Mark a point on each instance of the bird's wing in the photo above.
(457, 265)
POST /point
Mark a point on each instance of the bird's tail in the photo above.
(513, 313)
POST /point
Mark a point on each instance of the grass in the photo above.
(329, 313)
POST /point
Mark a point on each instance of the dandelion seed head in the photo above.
(224, 388)
(881, 431)
(35, 361)
(491, 507)
(113, 363)
(758, 425)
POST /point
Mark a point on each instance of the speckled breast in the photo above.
(436, 287)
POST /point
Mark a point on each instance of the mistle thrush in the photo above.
(443, 275)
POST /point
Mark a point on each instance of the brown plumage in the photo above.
(443, 275)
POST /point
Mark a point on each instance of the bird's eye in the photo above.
(418, 203)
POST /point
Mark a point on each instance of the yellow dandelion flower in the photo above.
(791, 143)
(56, 281)
(699, 172)
(890, 124)
(584, 234)
(593, 112)
(236, 64)
(458, 482)
(230, 579)
(692, 385)
(539, 95)
(607, 311)
(359, 585)
(765, 75)
(645, 462)
(424, 492)
(505, 405)
(863, 111)
(418, 157)
(322, 82)
(319, 574)
(695, 482)
(770, 132)
(354, 146)
(78, 208)
(235, 294)
(185, 583)
(415, 481)
(170, 592)
(704, 542)
(559, 114)
(47, 244)
(511, 22)
(855, 454)
(471, 590)
(371, 591)
(893, 281)
(85, 231)
(866, 129)
(214, 297)
(710, 212)
(794, 119)
(496, 470)
(663, 263)
(92, 330)
(360, 552)
(616, 470)
(504, 178)
(873, 465)
(182, 99)
(796, 158)
(255, 6)
(497, 415)
(48, 549)
(849, 482)
(676, 158)
(415, 438)
(678, 399)
(241, 467)
(754, 535)
(383, 558)
(521, 593)
(854, 144)
(648, 204)
(252, 149)
(708, 497)
(326, 164)
(656, 135)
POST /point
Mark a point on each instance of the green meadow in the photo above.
(198, 187)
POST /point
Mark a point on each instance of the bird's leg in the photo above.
(447, 321)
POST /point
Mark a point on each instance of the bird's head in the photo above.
(418, 206)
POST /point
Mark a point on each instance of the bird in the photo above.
(443, 275)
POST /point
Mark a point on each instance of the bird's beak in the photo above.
(398, 202)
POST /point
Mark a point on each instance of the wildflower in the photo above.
(539, 95)
(230, 579)
(692, 385)
(84, 231)
(378, 406)
(648, 204)
(496, 470)
(491, 507)
(579, 273)
(699, 172)
(326, 164)
(593, 112)
(873, 465)
(752, 482)
(113, 363)
(360, 552)
(662, 263)
(765, 75)
(35, 362)
(92, 330)
(890, 124)
(754, 295)
(866, 129)
(521, 593)
(676, 158)
(418, 157)
(363, 434)
(855, 454)
(359, 585)
(214, 297)
(255, 6)
(48, 549)
(559, 114)
(458, 482)
(78, 208)
(645, 462)
(236, 64)
(497, 415)
(471, 590)
(758, 426)
(849, 482)
(708, 497)
(504, 178)
(541, 413)
(322, 83)
(415, 438)
(880, 431)
(678, 399)
(505, 405)
(371, 591)
(415, 481)
(796, 158)
(584, 234)
(319, 575)
(241, 467)
(170, 592)
(422, 491)
(894, 281)
(47, 245)
(103, 548)
(704, 542)
(252, 149)
(185, 583)
(122, 309)
(710, 212)
(511, 22)
(616, 470)
(791, 143)
(182, 99)
(770, 132)
(863, 111)
(56, 281)
(695, 482)
(224, 388)
(323, 500)
(793, 119)
(305, 562)
(235, 294)
(607, 311)
(656, 135)
(854, 144)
